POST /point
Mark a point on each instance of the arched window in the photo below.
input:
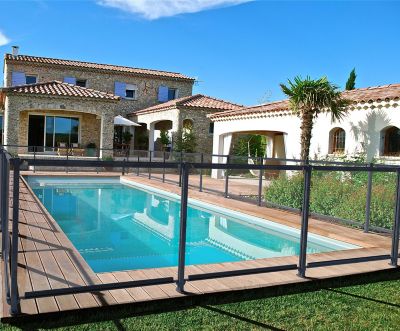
(338, 141)
(187, 125)
(391, 144)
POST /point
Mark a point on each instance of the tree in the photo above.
(308, 98)
(185, 141)
(351, 81)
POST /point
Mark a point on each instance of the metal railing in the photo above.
(10, 241)
(142, 156)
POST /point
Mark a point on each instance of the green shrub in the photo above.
(341, 195)
(286, 191)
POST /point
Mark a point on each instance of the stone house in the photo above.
(186, 113)
(46, 101)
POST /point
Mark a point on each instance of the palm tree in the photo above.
(308, 98)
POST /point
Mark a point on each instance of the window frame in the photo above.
(133, 88)
(31, 75)
(175, 93)
(390, 131)
(337, 140)
(80, 80)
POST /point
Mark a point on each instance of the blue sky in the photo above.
(238, 51)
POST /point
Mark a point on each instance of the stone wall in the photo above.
(89, 130)
(103, 80)
(201, 124)
(97, 116)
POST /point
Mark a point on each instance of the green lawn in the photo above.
(374, 306)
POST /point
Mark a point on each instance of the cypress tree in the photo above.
(351, 82)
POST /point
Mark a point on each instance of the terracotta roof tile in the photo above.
(194, 101)
(369, 94)
(56, 88)
(94, 66)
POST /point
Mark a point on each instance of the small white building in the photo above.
(371, 126)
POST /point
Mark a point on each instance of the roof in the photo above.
(56, 88)
(361, 95)
(194, 101)
(94, 66)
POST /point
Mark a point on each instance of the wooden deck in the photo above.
(48, 260)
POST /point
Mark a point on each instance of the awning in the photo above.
(119, 120)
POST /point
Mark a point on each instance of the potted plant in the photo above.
(126, 137)
(91, 149)
(164, 138)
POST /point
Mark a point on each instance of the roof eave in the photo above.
(101, 70)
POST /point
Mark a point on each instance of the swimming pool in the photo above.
(119, 225)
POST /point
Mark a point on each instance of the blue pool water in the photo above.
(116, 226)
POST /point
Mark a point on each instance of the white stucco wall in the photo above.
(363, 125)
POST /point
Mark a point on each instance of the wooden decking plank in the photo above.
(69, 271)
(120, 295)
(137, 293)
(54, 274)
(154, 291)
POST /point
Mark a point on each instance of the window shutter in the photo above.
(70, 80)
(120, 89)
(18, 78)
(163, 93)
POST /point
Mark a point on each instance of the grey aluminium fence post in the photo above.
(2, 201)
(201, 173)
(226, 178)
(138, 160)
(395, 237)
(182, 228)
(66, 163)
(368, 200)
(260, 182)
(180, 169)
(5, 211)
(304, 221)
(34, 158)
(163, 174)
(14, 240)
(149, 166)
(98, 159)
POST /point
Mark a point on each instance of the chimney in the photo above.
(15, 50)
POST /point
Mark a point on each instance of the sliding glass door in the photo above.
(53, 131)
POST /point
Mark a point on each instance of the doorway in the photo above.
(36, 133)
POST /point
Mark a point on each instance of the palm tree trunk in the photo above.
(306, 133)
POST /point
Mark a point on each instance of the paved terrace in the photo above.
(48, 260)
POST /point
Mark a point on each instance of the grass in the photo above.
(373, 306)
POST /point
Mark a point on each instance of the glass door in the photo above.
(36, 132)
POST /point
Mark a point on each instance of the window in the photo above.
(81, 82)
(172, 93)
(30, 79)
(211, 128)
(338, 141)
(391, 138)
(50, 131)
(130, 91)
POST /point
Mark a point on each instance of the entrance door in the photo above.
(36, 132)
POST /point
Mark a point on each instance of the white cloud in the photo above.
(3, 39)
(154, 9)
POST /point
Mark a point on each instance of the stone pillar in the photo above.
(151, 136)
(107, 134)
(11, 124)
